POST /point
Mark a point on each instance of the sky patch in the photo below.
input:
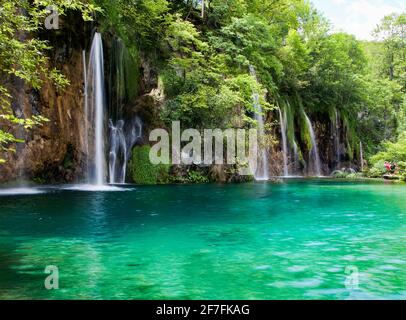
(358, 17)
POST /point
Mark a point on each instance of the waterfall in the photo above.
(123, 136)
(94, 111)
(124, 130)
(122, 79)
(117, 146)
(133, 133)
(336, 130)
(85, 89)
(361, 156)
(295, 157)
(314, 152)
(262, 171)
(283, 125)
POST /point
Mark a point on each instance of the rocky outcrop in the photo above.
(53, 151)
(56, 150)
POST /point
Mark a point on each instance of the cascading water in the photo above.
(122, 79)
(295, 157)
(123, 136)
(361, 156)
(283, 125)
(124, 130)
(117, 146)
(123, 133)
(336, 130)
(314, 152)
(133, 133)
(86, 139)
(262, 172)
(94, 110)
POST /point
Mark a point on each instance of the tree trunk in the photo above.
(202, 9)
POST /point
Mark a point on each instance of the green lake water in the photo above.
(301, 239)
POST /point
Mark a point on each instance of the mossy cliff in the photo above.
(204, 71)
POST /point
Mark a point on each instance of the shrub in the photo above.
(374, 173)
(196, 177)
(142, 171)
(402, 170)
(338, 174)
(393, 152)
(377, 170)
(356, 175)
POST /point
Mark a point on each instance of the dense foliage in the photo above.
(395, 152)
(23, 55)
(204, 64)
(204, 57)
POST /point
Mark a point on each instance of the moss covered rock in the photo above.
(142, 171)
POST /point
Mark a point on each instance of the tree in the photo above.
(392, 31)
(23, 55)
(201, 88)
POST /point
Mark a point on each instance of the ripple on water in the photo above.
(322, 293)
(388, 268)
(396, 261)
(335, 269)
(264, 267)
(297, 269)
(281, 254)
(303, 283)
(315, 244)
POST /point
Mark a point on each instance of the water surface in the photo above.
(294, 240)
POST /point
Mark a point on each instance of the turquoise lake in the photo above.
(300, 239)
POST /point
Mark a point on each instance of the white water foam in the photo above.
(95, 188)
(20, 191)
(262, 173)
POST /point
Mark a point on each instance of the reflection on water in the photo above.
(252, 241)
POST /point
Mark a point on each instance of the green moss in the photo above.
(290, 124)
(352, 140)
(305, 131)
(142, 171)
(350, 151)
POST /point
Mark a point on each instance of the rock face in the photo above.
(54, 151)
